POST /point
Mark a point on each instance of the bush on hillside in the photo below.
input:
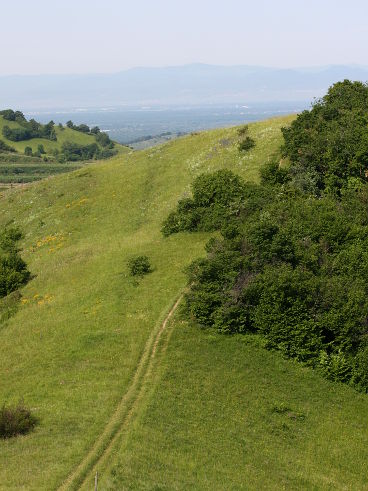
(83, 128)
(10, 115)
(16, 134)
(16, 420)
(245, 141)
(328, 145)
(6, 148)
(246, 144)
(273, 174)
(216, 199)
(73, 152)
(13, 270)
(282, 271)
(103, 139)
(139, 266)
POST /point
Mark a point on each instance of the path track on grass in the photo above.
(105, 443)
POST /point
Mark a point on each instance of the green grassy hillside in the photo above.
(17, 168)
(148, 407)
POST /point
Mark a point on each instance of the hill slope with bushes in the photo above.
(219, 412)
(30, 151)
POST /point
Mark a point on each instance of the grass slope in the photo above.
(74, 345)
(226, 414)
(17, 168)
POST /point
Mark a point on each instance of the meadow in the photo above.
(210, 411)
(224, 413)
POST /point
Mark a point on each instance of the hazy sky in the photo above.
(69, 36)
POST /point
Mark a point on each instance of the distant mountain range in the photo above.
(177, 85)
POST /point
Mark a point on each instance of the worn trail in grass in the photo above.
(101, 450)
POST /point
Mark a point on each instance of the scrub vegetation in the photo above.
(291, 263)
(122, 384)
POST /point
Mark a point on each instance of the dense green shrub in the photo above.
(73, 152)
(329, 144)
(139, 266)
(6, 148)
(272, 173)
(216, 200)
(13, 270)
(246, 144)
(30, 129)
(83, 128)
(293, 269)
(11, 115)
(16, 134)
(103, 139)
(245, 141)
(16, 420)
(40, 149)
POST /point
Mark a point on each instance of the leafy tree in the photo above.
(103, 139)
(328, 145)
(8, 114)
(11, 115)
(28, 151)
(82, 127)
(73, 151)
(16, 134)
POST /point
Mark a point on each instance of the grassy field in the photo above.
(225, 415)
(18, 168)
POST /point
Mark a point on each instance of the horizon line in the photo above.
(192, 64)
